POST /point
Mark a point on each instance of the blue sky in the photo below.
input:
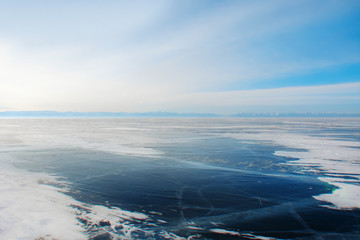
(180, 56)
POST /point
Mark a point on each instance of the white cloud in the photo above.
(118, 57)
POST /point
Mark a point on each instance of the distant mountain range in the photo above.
(101, 114)
(54, 114)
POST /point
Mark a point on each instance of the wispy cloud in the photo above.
(293, 99)
(141, 55)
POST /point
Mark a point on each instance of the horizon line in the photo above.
(163, 114)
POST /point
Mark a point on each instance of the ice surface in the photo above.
(223, 231)
(36, 204)
(67, 133)
(29, 210)
(242, 235)
(319, 154)
(345, 197)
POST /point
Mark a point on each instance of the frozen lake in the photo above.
(180, 178)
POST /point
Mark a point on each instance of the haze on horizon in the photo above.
(180, 56)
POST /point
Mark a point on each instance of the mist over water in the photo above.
(179, 178)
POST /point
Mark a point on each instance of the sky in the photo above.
(180, 56)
